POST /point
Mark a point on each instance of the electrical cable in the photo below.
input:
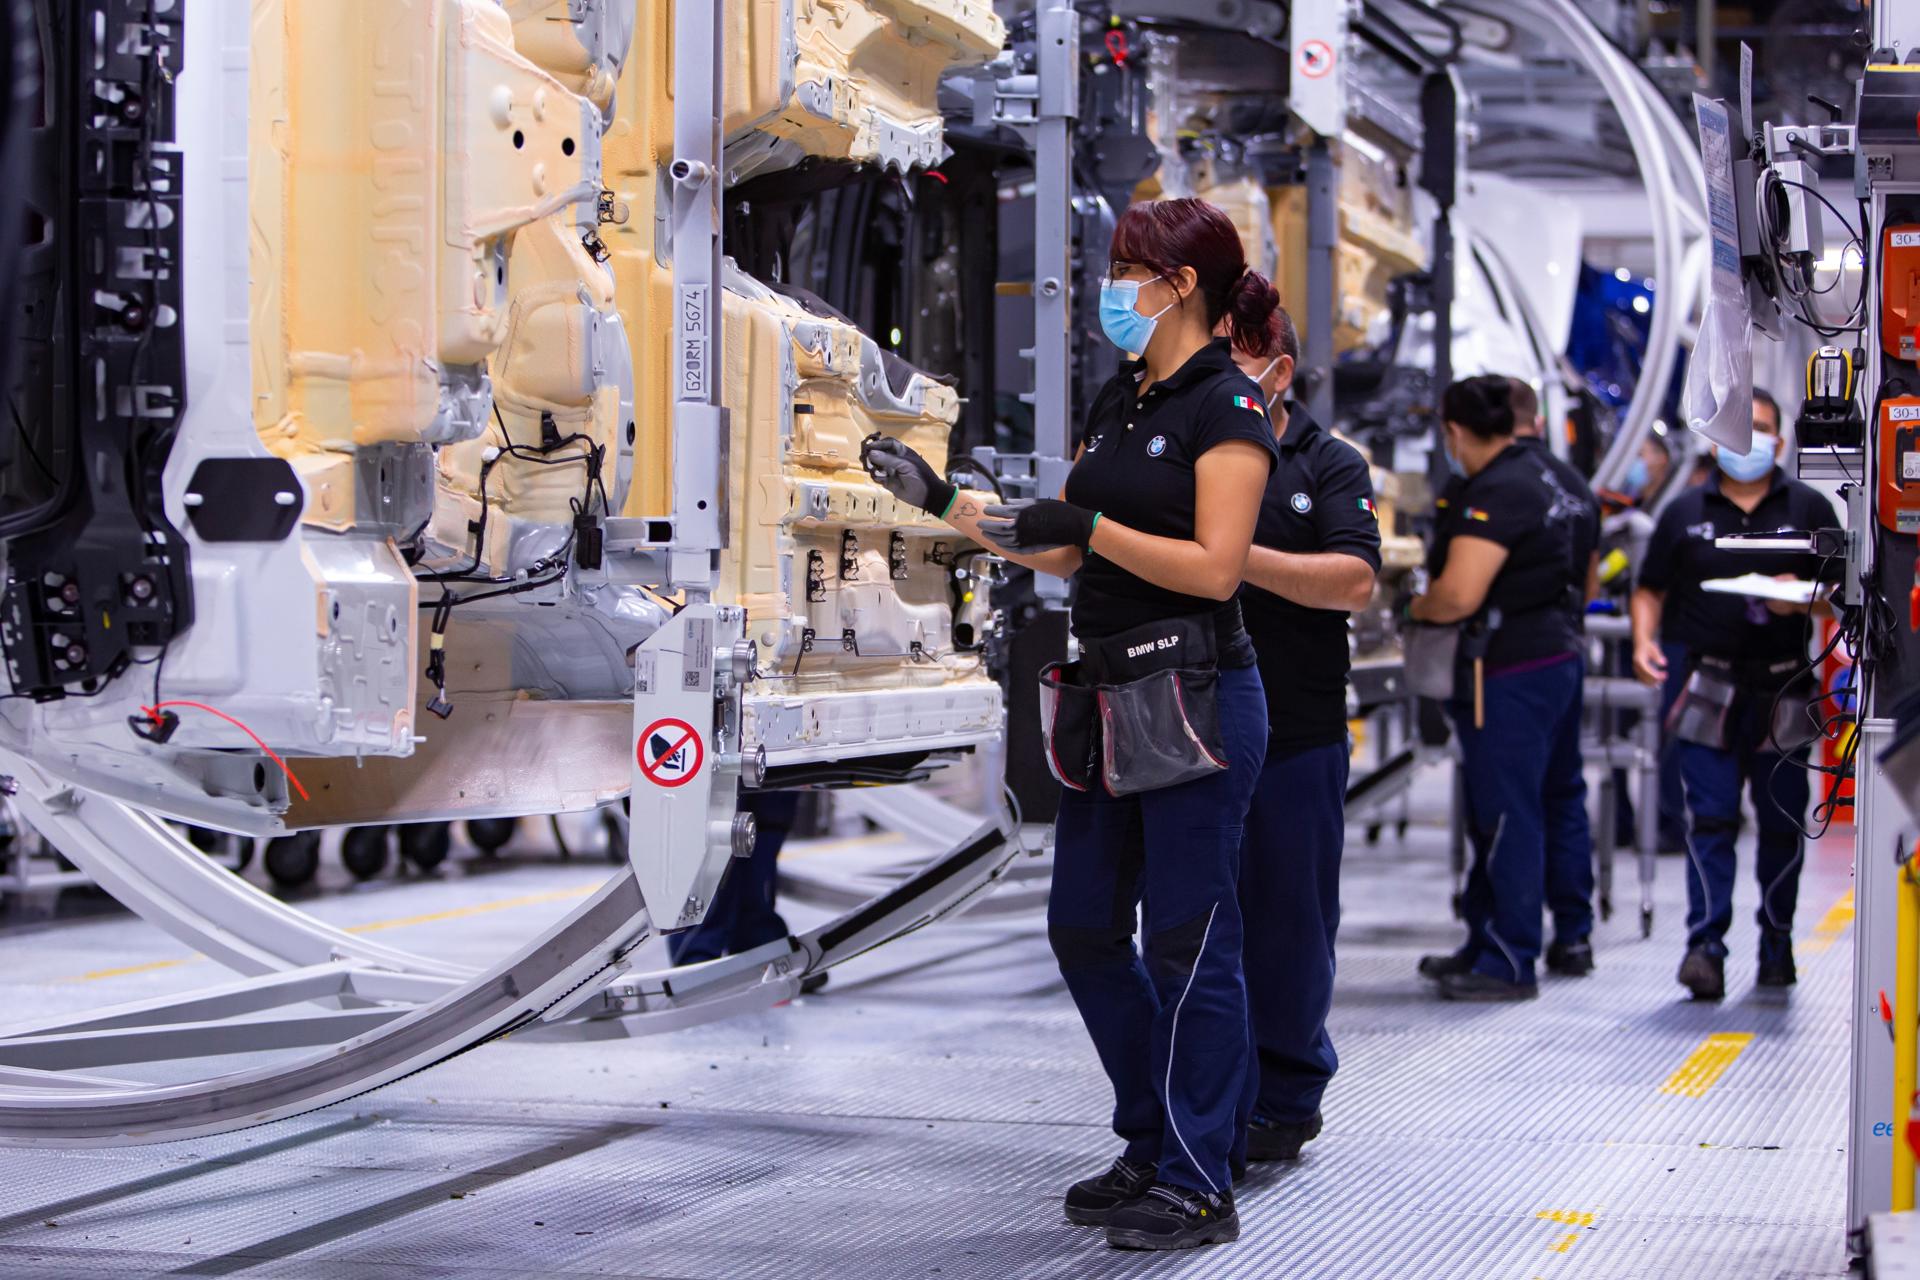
(1852, 629)
(27, 446)
(594, 456)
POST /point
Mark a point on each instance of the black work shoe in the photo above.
(1704, 974)
(1170, 1217)
(1090, 1201)
(1776, 960)
(1279, 1139)
(1438, 967)
(1479, 988)
(1570, 959)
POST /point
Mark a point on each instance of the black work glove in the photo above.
(1038, 524)
(906, 475)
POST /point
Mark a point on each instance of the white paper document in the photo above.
(1790, 590)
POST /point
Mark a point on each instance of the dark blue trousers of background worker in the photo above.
(1527, 816)
(742, 915)
(1714, 779)
(1171, 1031)
(1290, 894)
(1673, 796)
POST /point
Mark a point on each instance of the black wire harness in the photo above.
(583, 542)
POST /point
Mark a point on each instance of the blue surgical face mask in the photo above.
(1121, 321)
(1636, 478)
(1754, 463)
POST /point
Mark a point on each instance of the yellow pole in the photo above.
(1906, 1031)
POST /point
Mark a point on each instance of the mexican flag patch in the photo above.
(1366, 505)
(1242, 402)
(1475, 513)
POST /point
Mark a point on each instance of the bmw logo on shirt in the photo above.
(1156, 446)
(1302, 503)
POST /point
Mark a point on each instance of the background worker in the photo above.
(1569, 835)
(1156, 519)
(1728, 661)
(1501, 566)
(1315, 553)
(1626, 527)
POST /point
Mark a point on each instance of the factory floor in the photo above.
(921, 1117)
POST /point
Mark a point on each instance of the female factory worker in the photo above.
(1154, 526)
(1501, 570)
(1744, 662)
(1315, 552)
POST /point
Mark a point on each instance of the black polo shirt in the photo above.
(1137, 468)
(1681, 555)
(1573, 501)
(1510, 503)
(1319, 499)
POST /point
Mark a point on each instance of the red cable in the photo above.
(1117, 46)
(153, 713)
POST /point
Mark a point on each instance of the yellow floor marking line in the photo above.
(477, 909)
(125, 971)
(377, 926)
(1831, 927)
(1705, 1065)
(1566, 1218)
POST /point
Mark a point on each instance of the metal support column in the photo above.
(1323, 241)
(1058, 69)
(1442, 162)
(1881, 832)
(700, 427)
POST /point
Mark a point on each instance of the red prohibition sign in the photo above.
(670, 753)
(1316, 59)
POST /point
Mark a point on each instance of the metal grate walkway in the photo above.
(921, 1117)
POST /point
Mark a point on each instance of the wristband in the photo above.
(953, 496)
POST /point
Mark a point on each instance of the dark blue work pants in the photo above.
(1171, 1031)
(1290, 901)
(1779, 789)
(742, 916)
(1673, 796)
(1526, 816)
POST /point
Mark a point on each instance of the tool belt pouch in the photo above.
(1702, 711)
(1794, 726)
(1159, 706)
(1431, 654)
(1070, 725)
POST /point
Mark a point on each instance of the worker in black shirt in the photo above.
(1315, 553)
(1569, 835)
(1746, 656)
(1154, 525)
(1500, 569)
